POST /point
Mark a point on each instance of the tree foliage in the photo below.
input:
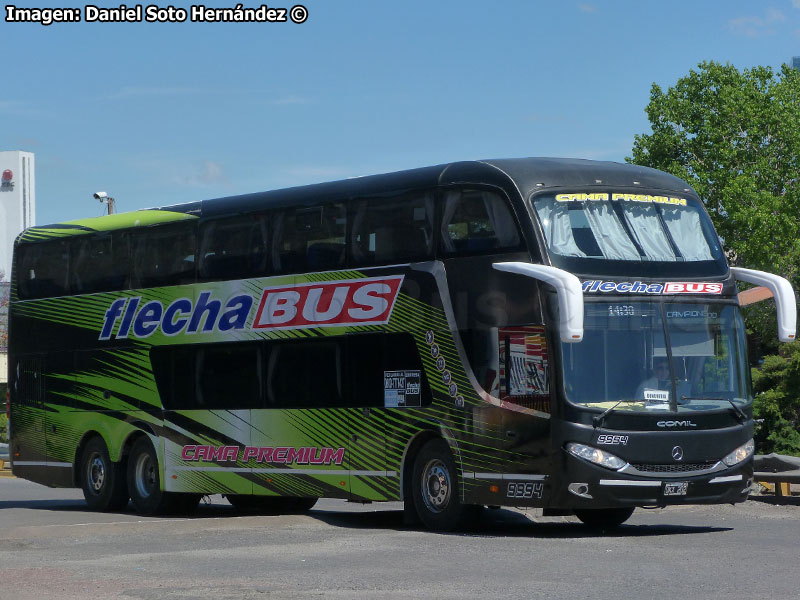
(734, 136)
(777, 388)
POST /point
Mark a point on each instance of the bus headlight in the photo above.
(743, 452)
(596, 456)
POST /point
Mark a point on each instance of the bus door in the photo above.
(28, 448)
(499, 320)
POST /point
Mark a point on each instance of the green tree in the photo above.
(735, 137)
(777, 402)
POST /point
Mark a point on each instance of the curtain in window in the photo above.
(502, 220)
(687, 232)
(643, 221)
(557, 228)
(609, 233)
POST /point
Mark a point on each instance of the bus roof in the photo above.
(524, 174)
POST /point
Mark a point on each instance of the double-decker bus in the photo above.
(562, 334)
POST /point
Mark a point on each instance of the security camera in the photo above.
(100, 196)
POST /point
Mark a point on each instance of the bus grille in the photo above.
(676, 468)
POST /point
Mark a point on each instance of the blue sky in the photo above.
(160, 113)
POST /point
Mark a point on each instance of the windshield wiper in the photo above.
(740, 414)
(598, 420)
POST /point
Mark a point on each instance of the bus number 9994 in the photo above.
(524, 490)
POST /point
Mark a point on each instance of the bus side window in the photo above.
(385, 370)
(173, 369)
(228, 376)
(164, 256)
(99, 263)
(393, 230)
(309, 239)
(43, 269)
(305, 374)
(477, 222)
(234, 248)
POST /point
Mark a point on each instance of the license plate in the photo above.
(677, 488)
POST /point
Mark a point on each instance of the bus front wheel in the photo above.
(102, 480)
(604, 517)
(435, 488)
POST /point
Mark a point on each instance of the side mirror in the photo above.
(785, 300)
(568, 289)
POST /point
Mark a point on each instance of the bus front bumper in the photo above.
(590, 486)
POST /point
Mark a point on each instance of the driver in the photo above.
(660, 379)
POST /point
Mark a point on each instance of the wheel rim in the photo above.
(145, 475)
(96, 472)
(436, 486)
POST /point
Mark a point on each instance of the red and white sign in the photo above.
(682, 287)
(352, 302)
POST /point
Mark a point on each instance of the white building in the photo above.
(17, 201)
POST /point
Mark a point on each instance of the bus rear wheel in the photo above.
(102, 480)
(604, 517)
(144, 483)
(435, 488)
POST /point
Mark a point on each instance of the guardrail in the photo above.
(777, 469)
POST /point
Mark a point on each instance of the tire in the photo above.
(435, 489)
(144, 483)
(102, 481)
(270, 505)
(604, 517)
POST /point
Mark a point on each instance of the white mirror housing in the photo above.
(569, 291)
(785, 300)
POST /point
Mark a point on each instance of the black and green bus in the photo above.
(561, 334)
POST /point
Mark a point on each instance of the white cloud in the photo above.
(207, 174)
(19, 109)
(590, 8)
(796, 3)
(134, 92)
(758, 26)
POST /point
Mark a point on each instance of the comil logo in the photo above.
(326, 304)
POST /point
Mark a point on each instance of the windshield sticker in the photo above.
(656, 396)
(643, 198)
(640, 287)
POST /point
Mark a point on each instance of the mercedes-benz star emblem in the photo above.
(677, 453)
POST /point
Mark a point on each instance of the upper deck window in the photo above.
(43, 269)
(477, 221)
(393, 230)
(617, 228)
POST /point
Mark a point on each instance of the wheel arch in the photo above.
(416, 443)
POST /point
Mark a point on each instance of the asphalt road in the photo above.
(52, 547)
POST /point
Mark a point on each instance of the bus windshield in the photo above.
(587, 231)
(626, 350)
